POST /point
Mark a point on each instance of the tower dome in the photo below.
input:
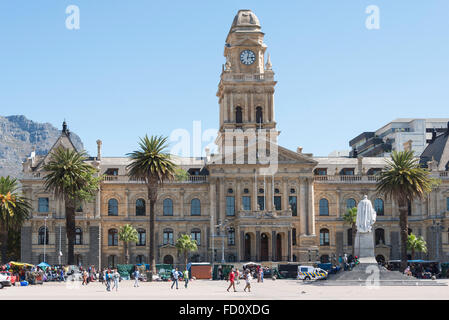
(245, 20)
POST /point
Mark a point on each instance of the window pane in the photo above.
(113, 207)
(168, 207)
(43, 205)
(324, 207)
(230, 202)
(195, 207)
(277, 203)
(261, 202)
(292, 201)
(246, 202)
(350, 203)
(140, 207)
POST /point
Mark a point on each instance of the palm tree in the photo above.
(127, 234)
(403, 180)
(73, 180)
(416, 244)
(350, 218)
(186, 244)
(14, 209)
(153, 165)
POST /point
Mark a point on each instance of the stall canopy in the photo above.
(43, 265)
(20, 264)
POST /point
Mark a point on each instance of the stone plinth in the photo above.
(364, 245)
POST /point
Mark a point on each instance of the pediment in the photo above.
(63, 141)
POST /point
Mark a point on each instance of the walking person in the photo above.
(232, 280)
(175, 278)
(248, 281)
(186, 278)
(116, 278)
(261, 274)
(108, 277)
(237, 276)
(136, 277)
(84, 277)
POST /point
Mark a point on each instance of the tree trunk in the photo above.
(152, 259)
(185, 258)
(354, 231)
(4, 240)
(413, 254)
(70, 230)
(126, 253)
(403, 224)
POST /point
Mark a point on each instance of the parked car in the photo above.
(5, 279)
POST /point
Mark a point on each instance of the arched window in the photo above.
(141, 235)
(238, 115)
(259, 117)
(78, 236)
(380, 236)
(196, 235)
(351, 203)
(168, 207)
(349, 232)
(195, 207)
(112, 237)
(231, 258)
(324, 258)
(79, 260)
(324, 237)
(324, 207)
(113, 207)
(43, 235)
(231, 237)
(140, 259)
(112, 261)
(168, 237)
(379, 206)
(140, 207)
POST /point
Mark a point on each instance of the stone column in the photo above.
(255, 192)
(238, 197)
(181, 202)
(289, 245)
(257, 245)
(311, 208)
(285, 203)
(268, 194)
(273, 245)
(242, 245)
(302, 207)
(221, 202)
(213, 204)
(127, 204)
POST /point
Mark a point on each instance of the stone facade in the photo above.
(294, 213)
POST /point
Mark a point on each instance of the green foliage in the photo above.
(416, 244)
(128, 233)
(403, 179)
(151, 162)
(14, 210)
(186, 244)
(181, 174)
(70, 176)
(350, 216)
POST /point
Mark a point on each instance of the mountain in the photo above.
(18, 136)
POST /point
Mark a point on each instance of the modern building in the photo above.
(236, 204)
(393, 136)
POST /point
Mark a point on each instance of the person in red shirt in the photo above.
(231, 280)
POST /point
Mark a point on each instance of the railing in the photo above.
(346, 179)
(247, 77)
(126, 179)
(264, 214)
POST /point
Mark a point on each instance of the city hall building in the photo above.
(232, 205)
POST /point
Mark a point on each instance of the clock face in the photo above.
(247, 57)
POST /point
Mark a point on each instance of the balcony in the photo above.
(265, 214)
(356, 179)
(247, 77)
(125, 179)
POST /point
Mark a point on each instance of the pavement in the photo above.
(216, 290)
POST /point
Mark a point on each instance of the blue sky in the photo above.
(137, 67)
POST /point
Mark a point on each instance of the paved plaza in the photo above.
(216, 290)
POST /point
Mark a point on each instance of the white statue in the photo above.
(366, 216)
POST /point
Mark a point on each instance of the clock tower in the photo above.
(246, 88)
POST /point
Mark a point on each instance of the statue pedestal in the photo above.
(364, 245)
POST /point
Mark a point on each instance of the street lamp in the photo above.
(221, 226)
(437, 227)
(45, 235)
